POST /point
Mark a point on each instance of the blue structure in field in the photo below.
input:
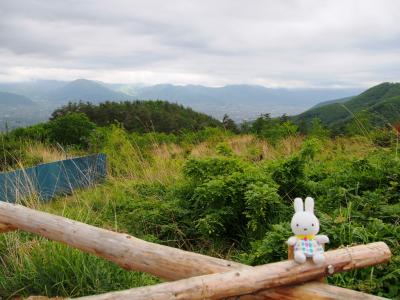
(51, 179)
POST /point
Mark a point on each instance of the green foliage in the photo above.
(11, 152)
(317, 129)
(385, 137)
(229, 124)
(272, 247)
(271, 129)
(14, 154)
(124, 157)
(70, 129)
(375, 108)
(201, 170)
(39, 132)
(210, 134)
(224, 149)
(310, 148)
(360, 124)
(141, 116)
(290, 177)
(230, 198)
(150, 211)
(290, 173)
(53, 269)
(221, 204)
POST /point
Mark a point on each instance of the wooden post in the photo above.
(241, 282)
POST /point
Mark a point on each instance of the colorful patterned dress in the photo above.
(308, 245)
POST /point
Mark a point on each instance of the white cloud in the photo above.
(275, 43)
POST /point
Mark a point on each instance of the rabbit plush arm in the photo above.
(292, 241)
(322, 239)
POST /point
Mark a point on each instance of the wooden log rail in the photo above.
(241, 282)
(173, 264)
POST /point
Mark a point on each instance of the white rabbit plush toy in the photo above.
(305, 226)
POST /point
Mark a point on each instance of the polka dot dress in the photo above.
(308, 246)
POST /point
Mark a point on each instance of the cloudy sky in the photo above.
(286, 43)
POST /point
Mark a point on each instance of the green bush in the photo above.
(38, 133)
(12, 152)
(230, 198)
(71, 129)
(290, 176)
(271, 129)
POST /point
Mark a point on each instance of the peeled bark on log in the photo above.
(307, 291)
(6, 228)
(240, 282)
(315, 291)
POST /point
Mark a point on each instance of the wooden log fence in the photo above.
(241, 282)
(198, 276)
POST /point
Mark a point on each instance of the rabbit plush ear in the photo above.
(298, 205)
(310, 204)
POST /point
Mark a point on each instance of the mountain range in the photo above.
(37, 99)
(239, 101)
(84, 90)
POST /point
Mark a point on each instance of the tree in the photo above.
(71, 129)
(142, 116)
(260, 123)
(229, 124)
(318, 129)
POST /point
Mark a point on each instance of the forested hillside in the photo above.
(141, 116)
(380, 103)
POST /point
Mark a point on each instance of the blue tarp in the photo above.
(48, 180)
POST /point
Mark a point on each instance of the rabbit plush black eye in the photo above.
(312, 224)
(297, 225)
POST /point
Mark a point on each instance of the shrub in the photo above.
(71, 129)
(11, 152)
(38, 133)
(290, 177)
(230, 198)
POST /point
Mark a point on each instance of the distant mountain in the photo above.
(84, 90)
(382, 101)
(241, 101)
(17, 110)
(34, 90)
(13, 100)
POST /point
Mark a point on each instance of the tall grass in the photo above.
(138, 198)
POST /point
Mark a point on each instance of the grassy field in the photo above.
(225, 195)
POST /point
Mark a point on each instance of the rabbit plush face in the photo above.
(304, 222)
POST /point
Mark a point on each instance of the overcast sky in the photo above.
(285, 43)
